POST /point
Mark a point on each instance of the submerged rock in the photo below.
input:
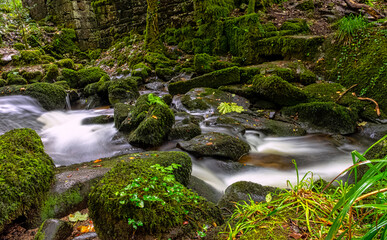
(216, 145)
(26, 174)
(121, 207)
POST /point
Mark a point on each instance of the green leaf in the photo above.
(78, 216)
(268, 197)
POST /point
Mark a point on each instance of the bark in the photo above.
(370, 10)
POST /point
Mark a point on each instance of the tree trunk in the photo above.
(370, 10)
(152, 34)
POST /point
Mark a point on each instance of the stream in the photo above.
(269, 161)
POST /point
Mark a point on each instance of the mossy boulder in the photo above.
(32, 77)
(2, 82)
(66, 63)
(123, 90)
(148, 123)
(208, 98)
(295, 25)
(379, 151)
(64, 42)
(14, 78)
(51, 73)
(70, 76)
(216, 145)
(211, 80)
(324, 116)
(184, 131)
(277, 90)
(54, 229)
(121, 111)
(141, 70)
(26, 174)
(103, 119)
(202, 63)
(50, 96)
(243, 191)
(164, 74)
(156, 212)
(27, 57)
(87, 76)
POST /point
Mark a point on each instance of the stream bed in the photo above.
(269, 161)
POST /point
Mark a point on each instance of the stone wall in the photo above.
(98, 22)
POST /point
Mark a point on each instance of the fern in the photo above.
(226, 107)
(152, 99)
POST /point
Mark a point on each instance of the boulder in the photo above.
(325, 117)
(210, 80)
(142, 199)
(204, 189)
(121, 111)
(123, 90)
(277, 90)
(148, 123)
(26, 174)
(243, 191)
(216, 145)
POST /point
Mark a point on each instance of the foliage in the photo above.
(347, 27)
(320, 211)
(155, 100)
(78, 216)
(226, 107)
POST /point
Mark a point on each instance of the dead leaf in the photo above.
(97, 161)
(155, 117)
(97, 166)
(209, 143)
(295, 235)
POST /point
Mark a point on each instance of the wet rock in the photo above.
(155, 86)
(204, 189)
(374, 130)
(121, 111)
(207, 98)
(252, 121)
(211, 80)
(98, 120)
(243, 191)
(216, 145)
(87, 236)
(123, 90)
(184, 131)
(54, 229)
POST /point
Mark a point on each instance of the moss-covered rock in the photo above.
(32, 77)
(184, 131)
(50, 96)
(2, 82)
(216, 145)
(26, 174)
(123, 90)
(202, 63)
(14, 78)
(141, 70)
(324, 116)
(156, 212)
(211, 80)
(103, 119)
(66, 63)
(70, 76)
(295, 25)
(28, 57)
(277, 90)
(164, 74)
(54, 229)
(121, 111)
(87, 76)
(242, 192)
(379, 151)
(51, 73)
(64, 42)
(204, 189)
(148, 123)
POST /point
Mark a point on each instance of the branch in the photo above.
(370, 10)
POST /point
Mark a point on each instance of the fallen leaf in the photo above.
(86, 229)
(78, 216)
(185, 222)
(295, 235)
(209, 143)
(132, 158)
(97, 161)
(155, 117)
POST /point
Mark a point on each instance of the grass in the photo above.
(349, 26)
(313, 209)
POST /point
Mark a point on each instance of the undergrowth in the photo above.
(315, 210)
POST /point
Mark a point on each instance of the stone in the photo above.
(54, 229)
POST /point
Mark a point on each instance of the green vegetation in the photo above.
(226, 107)
(348, 27)
(319, 210)
(26, 173)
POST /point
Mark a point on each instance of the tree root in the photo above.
(370, 99)
(370, 10)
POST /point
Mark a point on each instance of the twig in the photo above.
(370, 99)
(341, 95)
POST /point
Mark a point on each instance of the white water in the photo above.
(64, 137)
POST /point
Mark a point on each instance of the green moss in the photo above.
(248, 73)
(64, 42)
(286, 74)
(202, 63)
(158, 60)
(66, 63)
(95, 54)
(306, 5)
(148, 124)
(32, 77)
(141, 70)
(28, 57)
(71, 77)
(295, 26)
(363, 62)
(26, 173)
(51, 73)
(277, 90)
(325, 116)
(19, 46)
(307, 77)
(14, 78)
(50, 96)
(2, 82)
(121, 111)
(111, 218)
(87, 76)
(63, 84)
(212, 10)
(122, 90)
(164, 74)
(56, 203)
(212, 80)
(152, 34)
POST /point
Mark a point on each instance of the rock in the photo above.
(184, 131)
(251, 121)
(204, 189)
(161, 216)
(87, 236)
(207, 98)
(54, 229)
(121, 111)
(277, 90)
(14, 78)
(324, 117)
(98, 120)
(211, 80)
(123, 90)
(243, 191)
(216, 145)
(148, 123)
(374, 131)
(155, 86)
(26, 174)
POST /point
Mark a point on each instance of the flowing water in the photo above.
(269, 161)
